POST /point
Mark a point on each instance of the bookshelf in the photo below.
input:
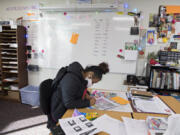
(164, 79)
(13, 66)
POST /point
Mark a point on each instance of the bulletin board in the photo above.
(87, 37)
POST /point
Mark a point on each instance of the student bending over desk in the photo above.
(72, 92)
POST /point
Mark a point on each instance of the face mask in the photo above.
(89, 84)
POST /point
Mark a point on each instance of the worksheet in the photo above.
(110, 125)
(108, 95)
(78, 126)
(103, 103)
(154, 105)
(135, 127)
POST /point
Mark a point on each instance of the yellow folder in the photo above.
(120, 100)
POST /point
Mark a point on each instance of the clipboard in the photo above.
(134, 108)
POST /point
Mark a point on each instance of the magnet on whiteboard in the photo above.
(26, 36)
(42, 50)
(126, 5)
(120, 56)
(139, 48)
(27, 61)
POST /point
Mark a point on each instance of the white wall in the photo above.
(110, 81)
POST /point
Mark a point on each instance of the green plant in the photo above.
(152, 55)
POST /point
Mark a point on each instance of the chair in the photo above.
(45, 95)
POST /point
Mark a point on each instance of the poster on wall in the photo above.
(177, 28)
(142, 43)
(167, 25)
(153, 20)
(151, 37)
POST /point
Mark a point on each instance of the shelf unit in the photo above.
(164, 80)
(13, 66)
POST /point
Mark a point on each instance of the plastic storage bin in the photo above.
(30, 95)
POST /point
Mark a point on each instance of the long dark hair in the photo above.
(99, 70)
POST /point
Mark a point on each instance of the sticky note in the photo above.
(74, 38)
(120, 13)
(172, 9)
(120, 100)
(30, 14)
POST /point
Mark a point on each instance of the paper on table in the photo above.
(103, 103)
(135, 127)
(173, 125)
(78, 126)
(122, 108)
(110, 125)
(109, 95)
(154, 106)
(120, 100)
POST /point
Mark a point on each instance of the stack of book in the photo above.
(165, 80)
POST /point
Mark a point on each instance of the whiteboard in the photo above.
(101, 36)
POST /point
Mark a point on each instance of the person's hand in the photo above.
(92, 101)
(88, 97)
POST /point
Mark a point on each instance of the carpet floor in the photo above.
(20, 119)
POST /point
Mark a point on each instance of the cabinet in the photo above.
(13, 66)
(164, 79)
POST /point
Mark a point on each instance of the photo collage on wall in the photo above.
(165, 24)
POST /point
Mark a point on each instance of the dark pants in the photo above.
(50, 122)
(55, 130)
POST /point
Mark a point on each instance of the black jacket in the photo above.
(69, 92)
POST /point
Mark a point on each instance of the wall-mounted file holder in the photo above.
(130, 54)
